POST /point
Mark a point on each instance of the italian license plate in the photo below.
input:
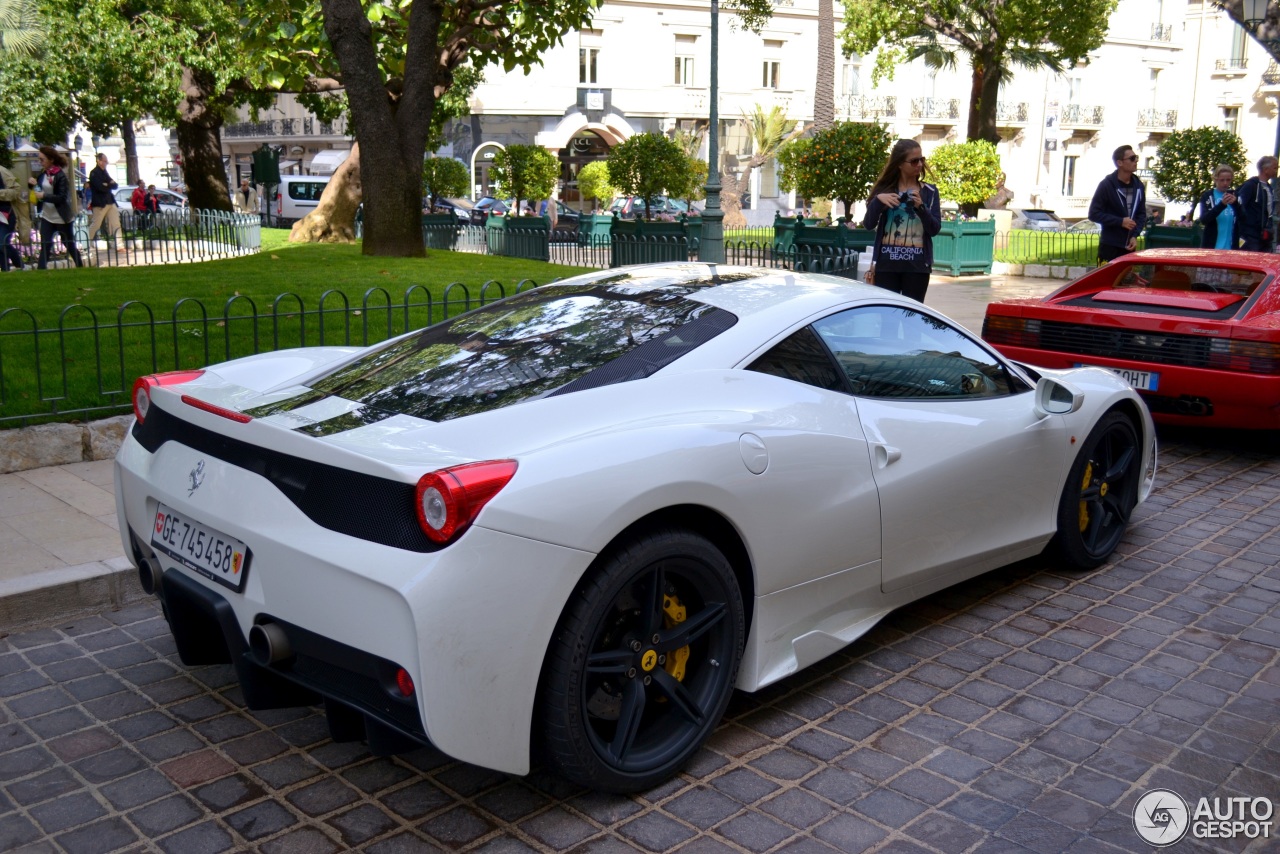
(1141, 380)
(209, 552)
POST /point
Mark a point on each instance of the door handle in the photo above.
(885, 454)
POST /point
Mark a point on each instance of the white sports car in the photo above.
(567, 524)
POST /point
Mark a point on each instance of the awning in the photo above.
(286, 165)
(327, 162)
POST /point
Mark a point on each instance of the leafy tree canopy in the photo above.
(444, 176)
(839, 163)
(525, 172)
(593, 182)
(965, 172)
(1185, 161)
(647, 165)
(995, 35)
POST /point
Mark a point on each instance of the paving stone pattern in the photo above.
(1026, 710)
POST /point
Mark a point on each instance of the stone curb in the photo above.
(24, 448)
(54, 595)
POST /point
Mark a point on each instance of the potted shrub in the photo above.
(841, 162)
(965, 173)
(1183, 171)
(646, 165)
(593, 184)
(441, 177)
(522, 173)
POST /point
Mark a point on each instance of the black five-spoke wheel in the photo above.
(1100, 493)
(643, 663)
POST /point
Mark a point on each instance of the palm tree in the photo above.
(824, 97)
(767, 130)
(21, 31)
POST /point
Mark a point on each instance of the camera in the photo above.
(904, 197)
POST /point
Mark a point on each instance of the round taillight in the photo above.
(438, 505)
(404, 682)
(449, 500)
(141, 398)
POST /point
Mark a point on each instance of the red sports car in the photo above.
(1195, 331)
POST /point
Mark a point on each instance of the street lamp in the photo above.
(711, 249)
(97, 140)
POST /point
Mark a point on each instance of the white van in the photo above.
(296, 196)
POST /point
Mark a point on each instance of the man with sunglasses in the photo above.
(1256, 228)
(1120, 206)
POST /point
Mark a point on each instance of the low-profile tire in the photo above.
(643, 662)
(1100, 494)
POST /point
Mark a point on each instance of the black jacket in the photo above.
(1209, 211)
(100, 185)
(61, 198)
(1254, 196)
(930, 213)
(1108, 208)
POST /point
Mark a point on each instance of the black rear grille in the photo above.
(353, 503)
(1159, 348)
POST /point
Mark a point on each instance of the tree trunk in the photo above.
(824, 99)
(334, 218)
(130, 137)
(984, 96)
(391, 122)
(731, 189)
(199, 140)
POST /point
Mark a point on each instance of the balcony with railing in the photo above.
(1082, 115)
(1161, 32)
(1234, 67)
(1158, 120)
(286, 127)
(945, 110)
(868, 107)
(1011, 113)
(1271, 77)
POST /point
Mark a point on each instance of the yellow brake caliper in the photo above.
(1084, 508)
(674, 614)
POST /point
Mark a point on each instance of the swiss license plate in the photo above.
(209, 552)
(1141, 380)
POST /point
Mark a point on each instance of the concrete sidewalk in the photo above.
(60, 549)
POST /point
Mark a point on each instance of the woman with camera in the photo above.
(906, 213)
(1220, 212)
(57, 216)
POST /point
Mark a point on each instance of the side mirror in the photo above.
(1056, 398)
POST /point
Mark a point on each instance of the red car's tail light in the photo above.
(1011, 331)
(1248, 357)
(449, 500)
(143, 385)
(216, 410)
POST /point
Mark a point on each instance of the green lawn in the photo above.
(102, 328)
(1048, 247)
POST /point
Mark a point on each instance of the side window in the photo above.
(800, 357)
(895, 352)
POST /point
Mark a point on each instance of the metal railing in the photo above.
(935, 108)
(865, 107)
(1153, 118)
(84, 365)
(1238, 63)
(166, 237)
(287, 127)
(1161, 32)
(1271, 76)
(1011, 111)
(1078, 115)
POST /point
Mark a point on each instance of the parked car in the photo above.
(1195, 331)
(566, 222)
(485, 207)
(630, 207)
(296, 196)
(1084, 226)
(569, 523)
(459, 207)
(1036, 219)
(170, 201)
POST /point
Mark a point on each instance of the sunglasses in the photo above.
(1132, 157)
(916, 161)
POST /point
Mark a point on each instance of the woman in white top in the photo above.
(56, 214)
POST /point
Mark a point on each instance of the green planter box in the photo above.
(519, 237)
(1172, 237)
(637, 241)
(964, 247)
(593, 229)
(440, 231)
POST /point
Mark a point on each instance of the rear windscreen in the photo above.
(1184, 277)
(549, 340)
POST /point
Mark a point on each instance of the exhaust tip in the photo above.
(149, 574)
(268, 644)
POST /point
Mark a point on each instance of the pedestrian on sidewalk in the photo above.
(1120, 206)
(246, 198)
(102, 201)
(57, 211)
(1220, 212)
(1256, 228)
(15, 217)
(905, 213)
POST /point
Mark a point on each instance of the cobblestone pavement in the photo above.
(1026, 710)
